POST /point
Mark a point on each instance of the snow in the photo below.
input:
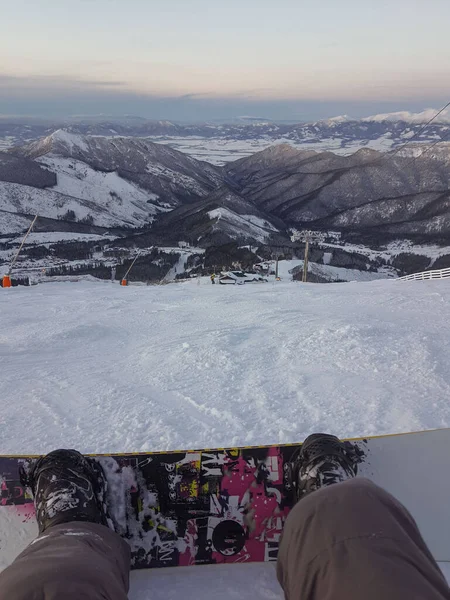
(108, 190)
(104, 368)
(420, 117)
(12, 223)
(179, 267)
(393, 249)
(6, 142)
(52, 237)
(247, 224)
(54, 205)
(254, 220)
(331, 273)
(188, 182)
(70, 140)
(219, 151)
(336, 120)
(383, 144)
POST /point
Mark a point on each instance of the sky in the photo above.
(194, 60)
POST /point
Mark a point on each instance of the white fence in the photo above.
(439, 274)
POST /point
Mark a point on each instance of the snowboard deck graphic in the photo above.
(215, 506)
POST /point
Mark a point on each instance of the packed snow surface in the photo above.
(104, 368)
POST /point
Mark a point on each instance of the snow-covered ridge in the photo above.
(409, 117)
(123, 181)
(335, 120)
(400, 116)
(69, 139)
(56, 141)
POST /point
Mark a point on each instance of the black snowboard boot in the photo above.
(323, 460)
(66, 486)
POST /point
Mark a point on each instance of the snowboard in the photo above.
(229, 505)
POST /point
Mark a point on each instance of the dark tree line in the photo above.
(151, 267)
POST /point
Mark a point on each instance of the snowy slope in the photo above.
(108, 190)
(54, 205)
(51, 237)
(236, 365)
(104, 368)
(259, 229)
(11, 223)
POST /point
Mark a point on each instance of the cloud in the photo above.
(195, 95)
(51, 83)
(60, 96)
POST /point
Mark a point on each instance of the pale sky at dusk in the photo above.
(206, 59)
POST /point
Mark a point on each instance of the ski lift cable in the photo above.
(428, 148)
(417, 134)
(389, 155)
(414, 137)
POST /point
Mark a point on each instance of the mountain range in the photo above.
(108, 182)
(343, 133)
(366, 191)
(128, 186)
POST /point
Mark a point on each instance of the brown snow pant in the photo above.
(72, 561)
(354, 541)
(349, 541)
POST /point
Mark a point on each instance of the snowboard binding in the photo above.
(322, 460)
(66, 486)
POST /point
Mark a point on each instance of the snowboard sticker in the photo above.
(186, 508)
(230, 505)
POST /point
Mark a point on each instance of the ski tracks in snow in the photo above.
(109, 369)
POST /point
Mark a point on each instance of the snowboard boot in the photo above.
(322, 461)
(66, 486)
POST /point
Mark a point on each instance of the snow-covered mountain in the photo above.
(100, 181)
(156, 196)
(223, 216)
(367, 190)
(129, 182)
(222, 142)
(408, 117)
(174, 177)
(124, 182)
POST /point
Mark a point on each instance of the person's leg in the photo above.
(74, 561)
(352, 541)
(76, 555)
